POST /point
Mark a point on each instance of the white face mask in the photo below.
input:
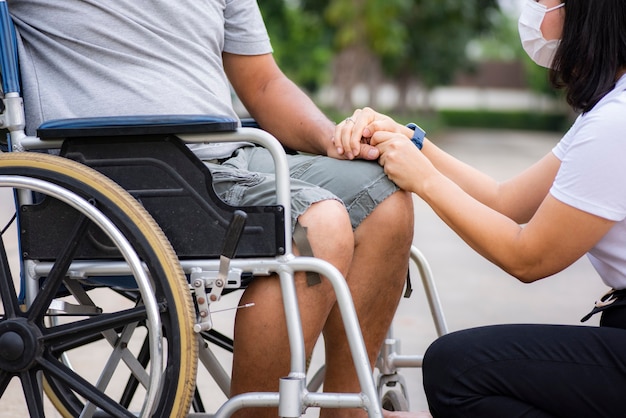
(540, 50)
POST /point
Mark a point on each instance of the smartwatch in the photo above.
(418, 135)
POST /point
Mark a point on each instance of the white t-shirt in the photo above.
(592, 178)
(89, 58)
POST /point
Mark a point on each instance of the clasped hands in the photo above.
(371, 135)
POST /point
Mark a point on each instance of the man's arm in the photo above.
(278, 105)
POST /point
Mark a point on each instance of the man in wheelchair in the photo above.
(137, 57)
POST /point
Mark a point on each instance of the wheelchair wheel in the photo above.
(394, 400)
(89, 333)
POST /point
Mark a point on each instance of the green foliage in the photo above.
(426, 39)
(301, 42)
(500, 43)
(374, 23)
(439, 32)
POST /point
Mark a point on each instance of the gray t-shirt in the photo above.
(84, 58)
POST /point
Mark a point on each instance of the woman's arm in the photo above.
(487, 214)
(517, 198)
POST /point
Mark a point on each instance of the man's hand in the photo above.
(353, 134)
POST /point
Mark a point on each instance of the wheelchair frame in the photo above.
(294, 395)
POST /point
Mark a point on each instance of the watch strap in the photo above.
(418, 135)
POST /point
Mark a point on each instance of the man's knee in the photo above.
(329, 232)
(399, 208)
(394, 217)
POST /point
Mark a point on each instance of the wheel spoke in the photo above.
(5, 379)
(131, 386)
(32, 393)
(122, 353)
(7, 288)
(67, 336)
(54, 280)
(72, 381)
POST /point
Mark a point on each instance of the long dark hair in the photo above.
(591, 52)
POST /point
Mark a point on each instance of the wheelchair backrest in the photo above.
(8, 52)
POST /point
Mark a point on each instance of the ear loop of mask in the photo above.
(555, 7)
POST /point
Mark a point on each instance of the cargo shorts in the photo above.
(247, 179)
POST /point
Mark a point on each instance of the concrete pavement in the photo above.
(473, 292)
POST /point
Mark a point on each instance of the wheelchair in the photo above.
(124, 252)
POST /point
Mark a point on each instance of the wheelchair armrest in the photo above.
(134, 125)
(250, 123)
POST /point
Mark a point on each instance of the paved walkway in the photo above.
(473, 292)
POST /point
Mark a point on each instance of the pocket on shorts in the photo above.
(231, 184)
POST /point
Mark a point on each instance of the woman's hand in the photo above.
(402, 161)
(353, 134)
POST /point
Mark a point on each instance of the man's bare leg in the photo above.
(382, 250)
(376, 278)
(261, 355)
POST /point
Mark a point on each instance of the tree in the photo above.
(301, 41)
(402, 40)
(436, 48)
(366, 32)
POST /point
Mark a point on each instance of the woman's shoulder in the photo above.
(607, 117)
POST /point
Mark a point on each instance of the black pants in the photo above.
(508, 371)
